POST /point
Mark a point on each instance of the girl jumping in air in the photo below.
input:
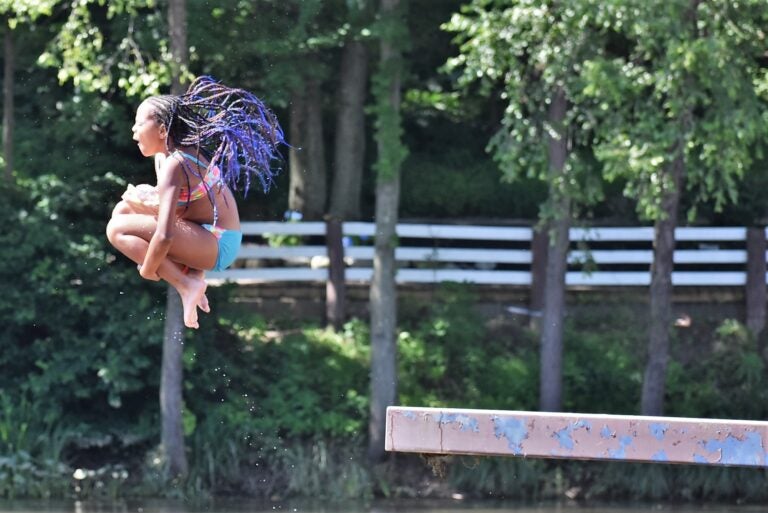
(206, 143)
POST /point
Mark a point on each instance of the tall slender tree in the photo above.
(172, 371)
(529, 53)
(348, 156)
(391, 152)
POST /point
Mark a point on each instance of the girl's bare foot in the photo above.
(203, 304)
(192, 293)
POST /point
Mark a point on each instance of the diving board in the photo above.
(577, 436)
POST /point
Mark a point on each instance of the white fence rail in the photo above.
(428, 253)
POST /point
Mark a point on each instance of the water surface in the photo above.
(400, 506)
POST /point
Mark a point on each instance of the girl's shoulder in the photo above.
(170, 169)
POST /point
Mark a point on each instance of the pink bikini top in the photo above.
(211, 179)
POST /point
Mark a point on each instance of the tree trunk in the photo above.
(298, 158)
(383, 294)
(172, 375)
(383, 305)
(652, 400)
(177, 28)
(314, 206)
(539, 245)
(350, 133)
(335, 287)
(308, 175)
(756, 293)
(8, 107)
(551, 376)
(171, 379)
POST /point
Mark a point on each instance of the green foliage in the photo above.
(526, 53)
(31, 451)
(727, 381)
(501, 477)
(288, 43)
(750, 209)
(635, 97)
(54, 333)
(275, 411)
(602, 355)
(72, 346)
(657, 98)
(282, 399)
(448, 358)
(326, 470)
(132, 54)
(385, 88)
(455, 182)
(25, 10)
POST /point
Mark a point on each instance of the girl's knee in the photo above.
(123, 227)
(122, 207)
(113, 231)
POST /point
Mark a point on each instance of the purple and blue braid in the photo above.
(231, 127)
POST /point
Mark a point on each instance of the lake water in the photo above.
(247, 506)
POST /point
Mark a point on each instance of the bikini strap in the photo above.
(203, 177)
(193, 159)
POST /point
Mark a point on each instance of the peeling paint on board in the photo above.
(565, 435)
(578, 436)
(738, 452)
(513, 430)
(621, 452)
(658, 430)
(465, 422)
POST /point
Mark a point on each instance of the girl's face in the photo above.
(147, 132)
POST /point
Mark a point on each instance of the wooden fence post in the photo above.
(335, 287)
(756, 291)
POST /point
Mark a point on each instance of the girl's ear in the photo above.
(163, 132)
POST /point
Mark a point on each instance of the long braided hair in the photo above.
(231, 127)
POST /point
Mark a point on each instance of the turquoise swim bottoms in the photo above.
(229, 246)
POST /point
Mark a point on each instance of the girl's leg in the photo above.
(123, 207)
(192, 246)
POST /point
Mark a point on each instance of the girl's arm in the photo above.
(168, 188)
